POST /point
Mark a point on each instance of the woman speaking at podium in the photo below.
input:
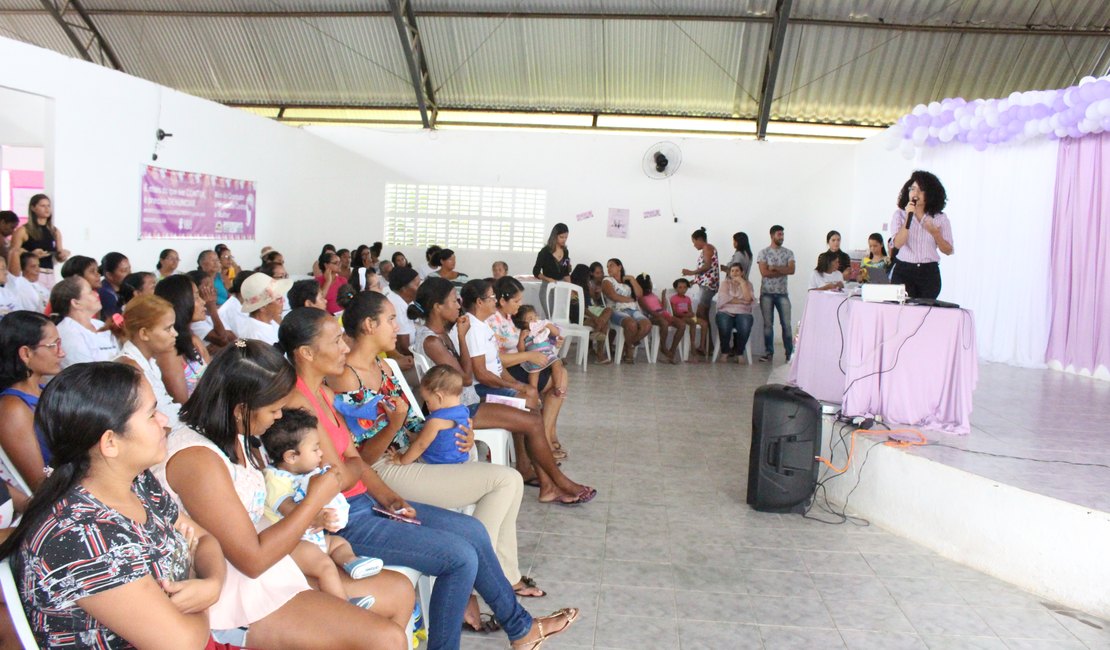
(922, 233)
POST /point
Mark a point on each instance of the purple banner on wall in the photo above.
(177, 204)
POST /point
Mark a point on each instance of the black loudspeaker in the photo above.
(786, 439)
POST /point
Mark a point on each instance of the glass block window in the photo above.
(463, 217)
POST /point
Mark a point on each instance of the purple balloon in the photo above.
(932, 141)
(1074, 132)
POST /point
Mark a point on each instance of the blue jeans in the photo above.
(768, 302)
(726, 324)
(454, 548)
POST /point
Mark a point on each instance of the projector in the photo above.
(884, 293)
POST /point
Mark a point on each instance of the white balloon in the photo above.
(1045, 126)
(920, 109)
(919, 135)
(906, 149)
(935, 108)
(946, 135)
(1086, 80)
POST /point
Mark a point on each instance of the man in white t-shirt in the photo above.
(263, 298)
(403, 283)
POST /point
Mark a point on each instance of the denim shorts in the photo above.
(484, 390)
(619, 317)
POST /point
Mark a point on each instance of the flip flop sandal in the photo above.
(488, 624)
(558, 454)
(532, 482)
(585, 496)
(528, 583)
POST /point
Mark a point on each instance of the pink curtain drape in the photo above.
(1080, 254)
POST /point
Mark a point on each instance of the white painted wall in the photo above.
(103, 124)
(724, 185)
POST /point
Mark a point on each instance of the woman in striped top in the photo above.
(922, 233)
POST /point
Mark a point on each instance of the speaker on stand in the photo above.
(786, 439)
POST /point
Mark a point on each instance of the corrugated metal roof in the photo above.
(272, 60)
(655, 7)
(981, 13)
(39, 29)
(232, 6)
(874, 76)
(698, 58)
(611, 66)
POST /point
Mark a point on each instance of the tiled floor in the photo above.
(1041, 414)
(669, 556)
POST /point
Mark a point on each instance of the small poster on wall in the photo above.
(178, 204)
(582, 216)
(618, 223)
(648, 214)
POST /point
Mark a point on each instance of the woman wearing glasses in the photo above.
(30, 351)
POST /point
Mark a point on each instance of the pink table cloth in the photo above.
(915, 366)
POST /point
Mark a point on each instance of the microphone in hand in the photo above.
(910, 212)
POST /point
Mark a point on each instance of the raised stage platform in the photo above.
(1025, 497)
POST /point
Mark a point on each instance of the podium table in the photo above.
(914, 365)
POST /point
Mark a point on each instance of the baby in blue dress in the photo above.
(437, 442)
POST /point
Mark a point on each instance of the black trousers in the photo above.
(921, 280)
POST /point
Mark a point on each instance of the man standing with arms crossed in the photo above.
(776, 262)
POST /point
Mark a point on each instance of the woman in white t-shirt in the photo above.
(827, 275)
(73, 303)
(490, 376)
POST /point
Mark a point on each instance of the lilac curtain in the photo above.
(1080, 252)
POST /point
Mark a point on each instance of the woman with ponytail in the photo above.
(184, 365)
(102, 556)
(214, 469)
(30, 351)
(707, 275)
(148, 322)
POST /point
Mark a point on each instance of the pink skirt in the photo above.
(248, 600)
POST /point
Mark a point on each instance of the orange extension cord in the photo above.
(921, 440)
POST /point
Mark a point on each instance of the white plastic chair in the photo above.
(423, 585)
(422, 363)
(11, 474)
(649, 343)
(559, 296)
(499, 441)
(15, 607)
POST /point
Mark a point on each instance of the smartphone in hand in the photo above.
(397, 516)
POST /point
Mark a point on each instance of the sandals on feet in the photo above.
(528, 584)
(487, 624)
(586, 495)
(568, 614)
